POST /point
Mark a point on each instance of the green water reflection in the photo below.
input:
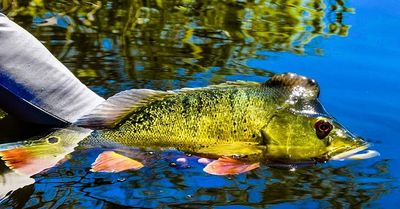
(115, 45)
(2, 114)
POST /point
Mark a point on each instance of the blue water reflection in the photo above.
(353, 56)
(161, 185)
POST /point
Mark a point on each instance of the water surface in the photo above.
(349, 47)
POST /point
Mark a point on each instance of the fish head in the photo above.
(301, 129)
(294, 137)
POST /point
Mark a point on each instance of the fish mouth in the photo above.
(347, 152)
(352, 151)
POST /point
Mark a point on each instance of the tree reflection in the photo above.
(115, 45)
(2, 114)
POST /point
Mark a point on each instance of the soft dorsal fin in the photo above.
(116, 108)
(294, 87)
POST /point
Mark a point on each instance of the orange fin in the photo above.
(110, 161)
(229, 166)
(33, 156)
(25, 161)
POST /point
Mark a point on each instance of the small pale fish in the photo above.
(362, 156)
(348, 153)
(367, 154)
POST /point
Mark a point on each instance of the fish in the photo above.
(237, 124)
(280, 120)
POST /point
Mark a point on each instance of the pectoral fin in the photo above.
(110, 161)
(237, 157)
(229, 166)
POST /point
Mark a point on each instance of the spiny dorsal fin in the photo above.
(116, 108)
(294, 86)
(228, 84)
(238, 83)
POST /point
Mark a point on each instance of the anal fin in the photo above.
(110, 161)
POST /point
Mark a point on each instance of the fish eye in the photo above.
(323, 128)
(53, 139)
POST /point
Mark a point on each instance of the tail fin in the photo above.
(34, 85)
(34, 155)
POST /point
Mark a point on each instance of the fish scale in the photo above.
(198, 119)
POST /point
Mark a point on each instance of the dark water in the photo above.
(351, 48)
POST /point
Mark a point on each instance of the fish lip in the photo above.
(347, 152)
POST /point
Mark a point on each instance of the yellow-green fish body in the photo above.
(275, 120)
(197, 119)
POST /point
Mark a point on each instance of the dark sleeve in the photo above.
(34, 85)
